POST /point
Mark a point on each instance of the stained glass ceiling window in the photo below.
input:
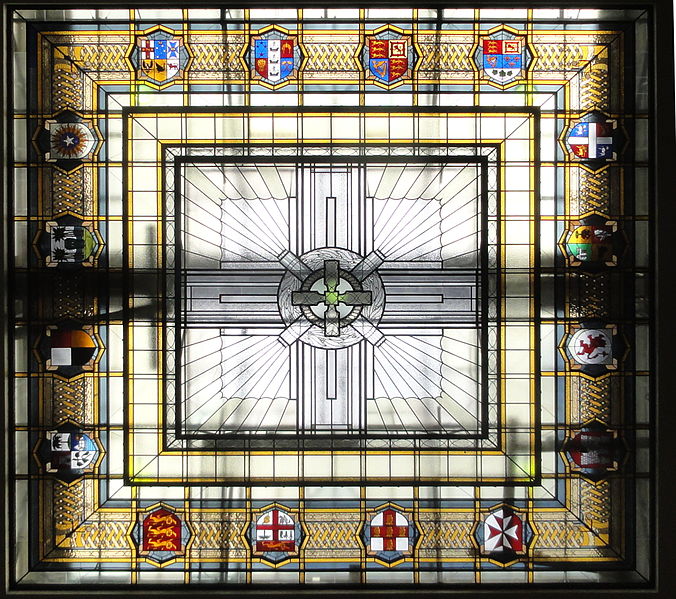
(330, 296)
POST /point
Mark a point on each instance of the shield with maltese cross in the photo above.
(503, 533)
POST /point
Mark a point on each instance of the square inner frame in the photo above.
(197, 288)
(499, 448)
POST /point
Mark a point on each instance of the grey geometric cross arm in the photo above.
(356, 298)
(368, 265)
(332, 322)
(294, 265)
(314, 298)
(306, 298)
(331, 275)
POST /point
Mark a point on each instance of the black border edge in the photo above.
(662, 151)
(664, 388)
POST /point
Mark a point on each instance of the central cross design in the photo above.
(276, 533)
(338, 290)
(342, 298)
(392, 531)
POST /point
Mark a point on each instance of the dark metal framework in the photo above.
(273, 439)
(662, 253)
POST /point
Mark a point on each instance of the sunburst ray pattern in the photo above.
(426, 384)
(426, 212)
(223, 389)
(235, 213)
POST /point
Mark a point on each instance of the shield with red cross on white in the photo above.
(503, 531)
(390, 535)
(275, 534)
(275, 531)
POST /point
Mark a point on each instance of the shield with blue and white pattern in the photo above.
(274, 59)
(160, 58)
(592, 140)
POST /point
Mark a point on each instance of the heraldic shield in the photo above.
(388, 59)
(275, 535)
(274, 58)
(503, 57)
(160, 58)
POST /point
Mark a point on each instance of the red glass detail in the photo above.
(262, 67)
(492, 46)
(398, 48)
(287, 48)
(604, 129)
(514, 525)
(581, 151)
(398, 67)
(378, 48)
(162, 531)
(511, 46)
(593, 343)
(275, 544)
(592, 449)
(389, 532)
